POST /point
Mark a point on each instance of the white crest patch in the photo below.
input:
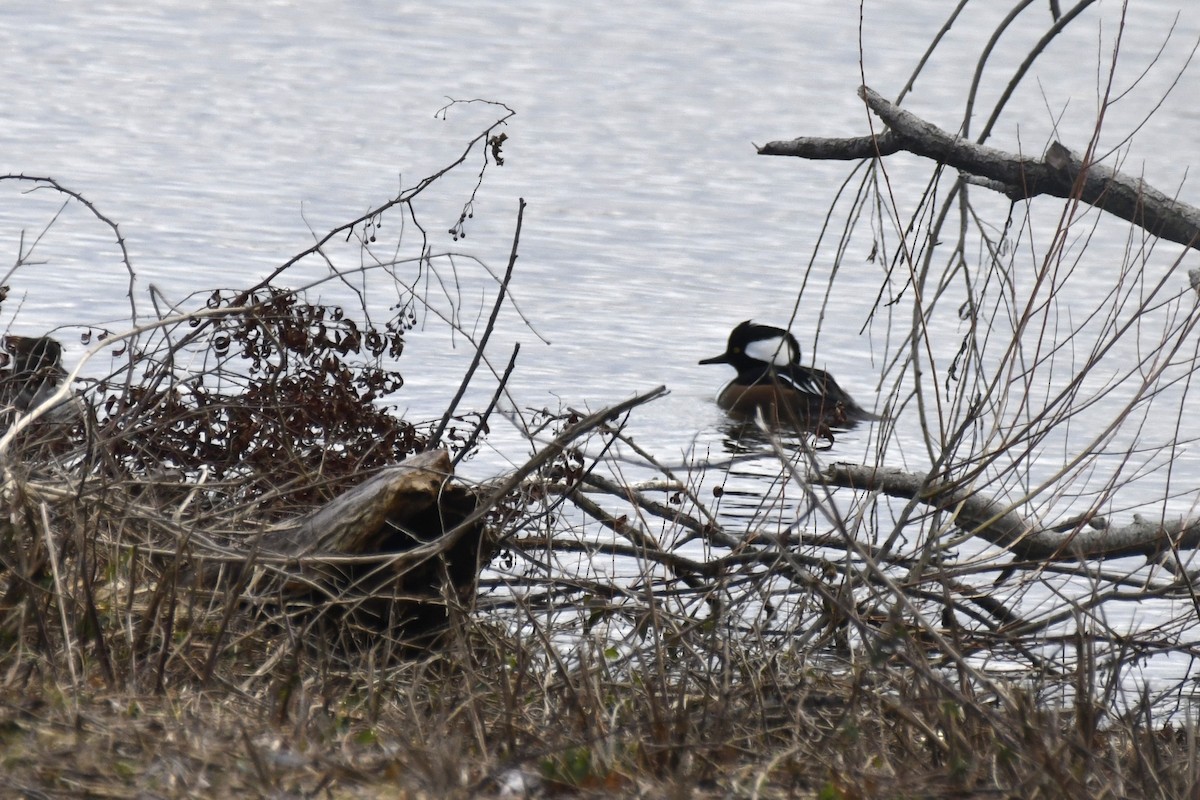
(777, 350)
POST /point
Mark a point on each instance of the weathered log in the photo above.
(392, 550)
(365, 517)
(351, 559)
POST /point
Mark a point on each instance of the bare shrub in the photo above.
(952, 625)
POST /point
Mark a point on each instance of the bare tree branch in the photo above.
(1060, 173)
(1002, 525)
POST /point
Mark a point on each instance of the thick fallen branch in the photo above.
(1001, 524)
(364, 517)
(1060, 173)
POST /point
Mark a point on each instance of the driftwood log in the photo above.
(376, 557)
(396, 551)
(397, 504)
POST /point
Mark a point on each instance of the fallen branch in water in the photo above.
(1001, 524)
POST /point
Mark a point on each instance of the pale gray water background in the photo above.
(218, 134)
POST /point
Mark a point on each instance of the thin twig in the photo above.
(487, 412)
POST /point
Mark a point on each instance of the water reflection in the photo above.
(764, 470)
(741, 435)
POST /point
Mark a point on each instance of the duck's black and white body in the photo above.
(771, 379)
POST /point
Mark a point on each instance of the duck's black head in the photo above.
(755, 347)
(33, 354)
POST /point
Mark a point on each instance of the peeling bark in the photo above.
(396, 524)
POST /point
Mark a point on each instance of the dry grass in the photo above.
(603, 656)
(702, 714)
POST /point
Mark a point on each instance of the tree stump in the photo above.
(376, 560)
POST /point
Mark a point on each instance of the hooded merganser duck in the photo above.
(771, 378)
(35, 373)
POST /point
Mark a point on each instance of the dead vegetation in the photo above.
(234, 569)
